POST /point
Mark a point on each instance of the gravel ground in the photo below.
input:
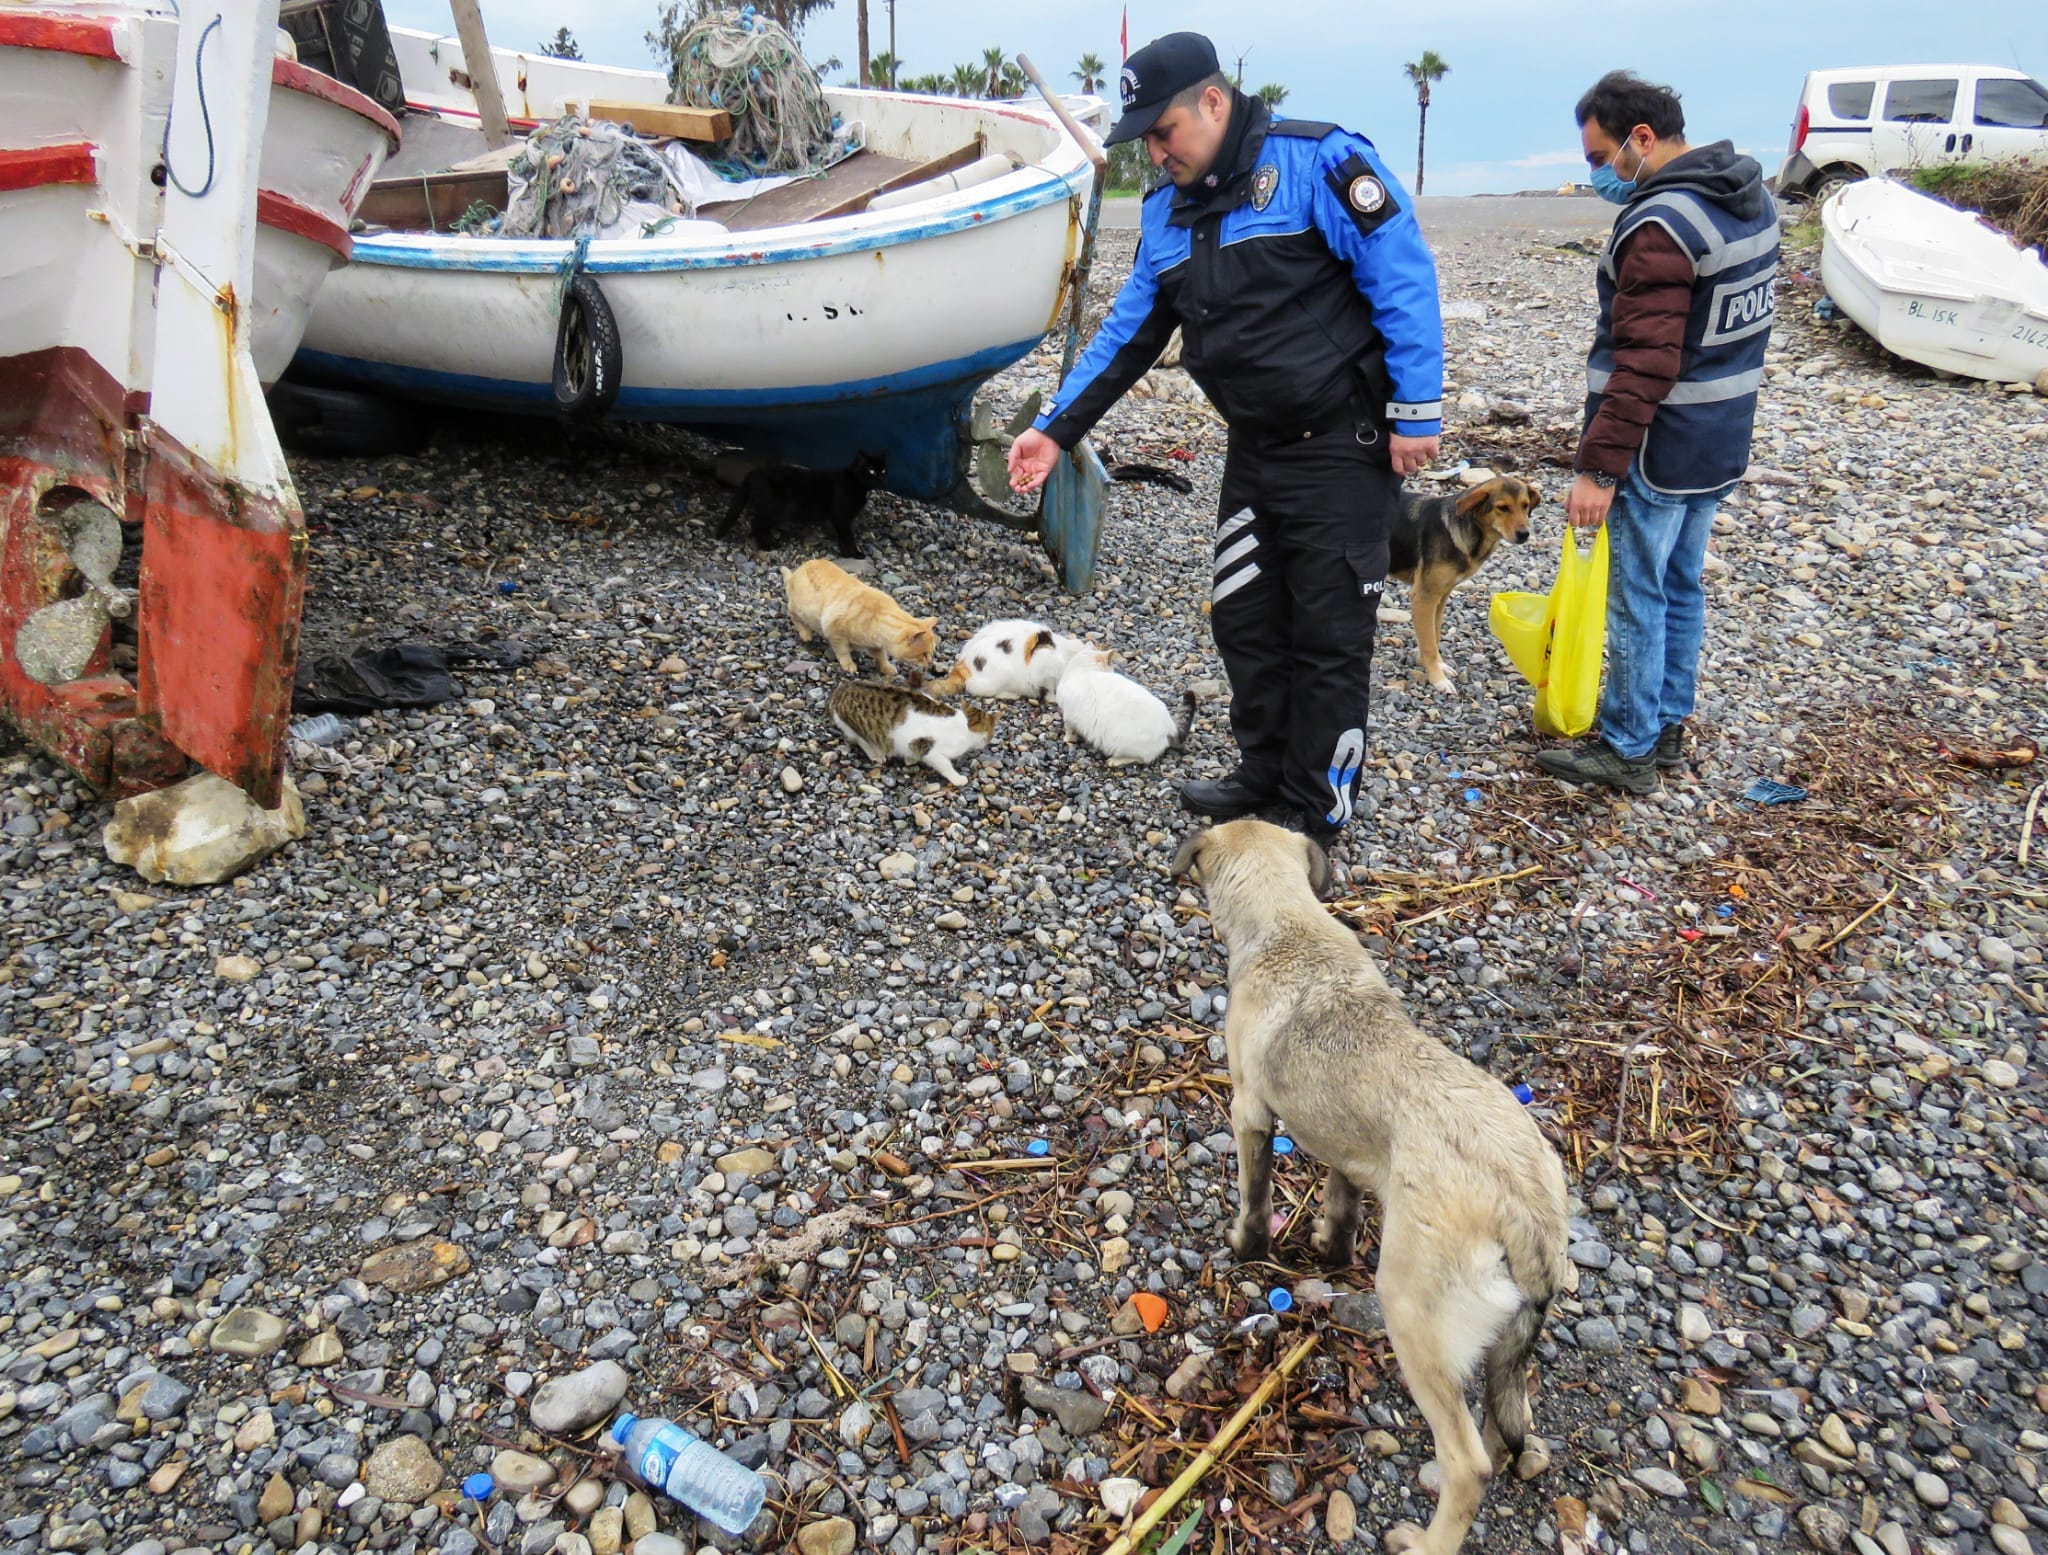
(618, 1012)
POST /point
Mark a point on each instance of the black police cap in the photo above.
(1152, 76)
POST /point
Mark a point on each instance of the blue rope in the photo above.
(570, 267)
(205, 118)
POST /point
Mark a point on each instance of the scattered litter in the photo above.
(1724, 909)
(321, 729)
(1038, 1147)
(479, 1487)
(1280, 1299)
(1150, 1307)
(2021, 755)
(401, 675)
(663, 1455)
(1826, 309)
(509, 586)
(1523, 1093)
(1282, 1145)
(1471, 796)
(1765, 791)
(1259, 1323)
(1153, 475)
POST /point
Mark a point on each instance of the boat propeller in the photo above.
(992, 447)
(57, 642)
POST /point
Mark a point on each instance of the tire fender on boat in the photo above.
(589, 358)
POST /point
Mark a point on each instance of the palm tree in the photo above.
(992, 61)
(1090, 71)
(1273, 94)
(882, 70)
(968, 80)
(1013, 83)
(1430, 67)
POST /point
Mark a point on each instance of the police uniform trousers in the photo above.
(1301, 562)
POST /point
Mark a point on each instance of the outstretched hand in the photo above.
(1032, 458)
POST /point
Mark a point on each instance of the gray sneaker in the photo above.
(1670, 751)
(1601, 763)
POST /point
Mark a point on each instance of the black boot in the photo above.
(1226, 798)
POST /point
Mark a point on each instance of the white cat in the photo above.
(1009, 659)
(885, 721)
(1115, 714)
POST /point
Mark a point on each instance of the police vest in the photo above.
(1698, 440)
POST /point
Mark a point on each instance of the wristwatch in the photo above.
(1600, 478)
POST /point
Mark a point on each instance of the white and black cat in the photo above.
(887, 721)
(783, 495)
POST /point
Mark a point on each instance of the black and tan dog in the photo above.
(1439, 542)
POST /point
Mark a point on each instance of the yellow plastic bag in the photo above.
(1556, 639)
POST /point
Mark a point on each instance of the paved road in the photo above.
(1509, 213)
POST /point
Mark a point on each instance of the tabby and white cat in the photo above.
(1010, 659)
(887, 721)
(1115, 714)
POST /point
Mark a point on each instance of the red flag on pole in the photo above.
(1124, 37)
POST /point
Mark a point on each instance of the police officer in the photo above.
(1687, 299)
(1307, 304)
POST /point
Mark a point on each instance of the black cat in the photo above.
(782, 494)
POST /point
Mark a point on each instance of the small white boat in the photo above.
(853, 312)
(1934, 284)
(324, 147)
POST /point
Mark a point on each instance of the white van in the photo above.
(1854, 124)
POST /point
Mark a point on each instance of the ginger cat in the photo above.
(827, 600)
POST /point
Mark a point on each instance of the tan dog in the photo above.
(1472, 1197)
(1438, 542)
(826, 599)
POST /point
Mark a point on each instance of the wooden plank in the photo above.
(700, 124)
(842, 190)
(847, 185)
(972, 152)
(483, 71)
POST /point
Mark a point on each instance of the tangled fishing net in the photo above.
(746, 64)
(582, 177)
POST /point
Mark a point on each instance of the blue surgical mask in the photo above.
(1611, 186)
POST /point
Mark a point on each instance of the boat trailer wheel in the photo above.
(588, 355)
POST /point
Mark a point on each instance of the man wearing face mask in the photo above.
(1307, 303)
(1686, 306)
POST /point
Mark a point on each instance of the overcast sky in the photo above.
(1500, 121)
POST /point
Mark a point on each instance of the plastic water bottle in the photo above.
(661, 1453)
(320, 729)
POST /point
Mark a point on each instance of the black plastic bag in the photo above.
(401, 675)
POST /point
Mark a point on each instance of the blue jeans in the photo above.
(1656, 611)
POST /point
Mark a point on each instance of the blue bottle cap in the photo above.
(1282, 1145)
(478, 1487)
(1038, 1147)
(623, 1426)
(1523, 1094)
(1471, 796)
(1280, 1299)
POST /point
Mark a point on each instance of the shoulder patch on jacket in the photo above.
(1308, 129)
(1365, 195)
